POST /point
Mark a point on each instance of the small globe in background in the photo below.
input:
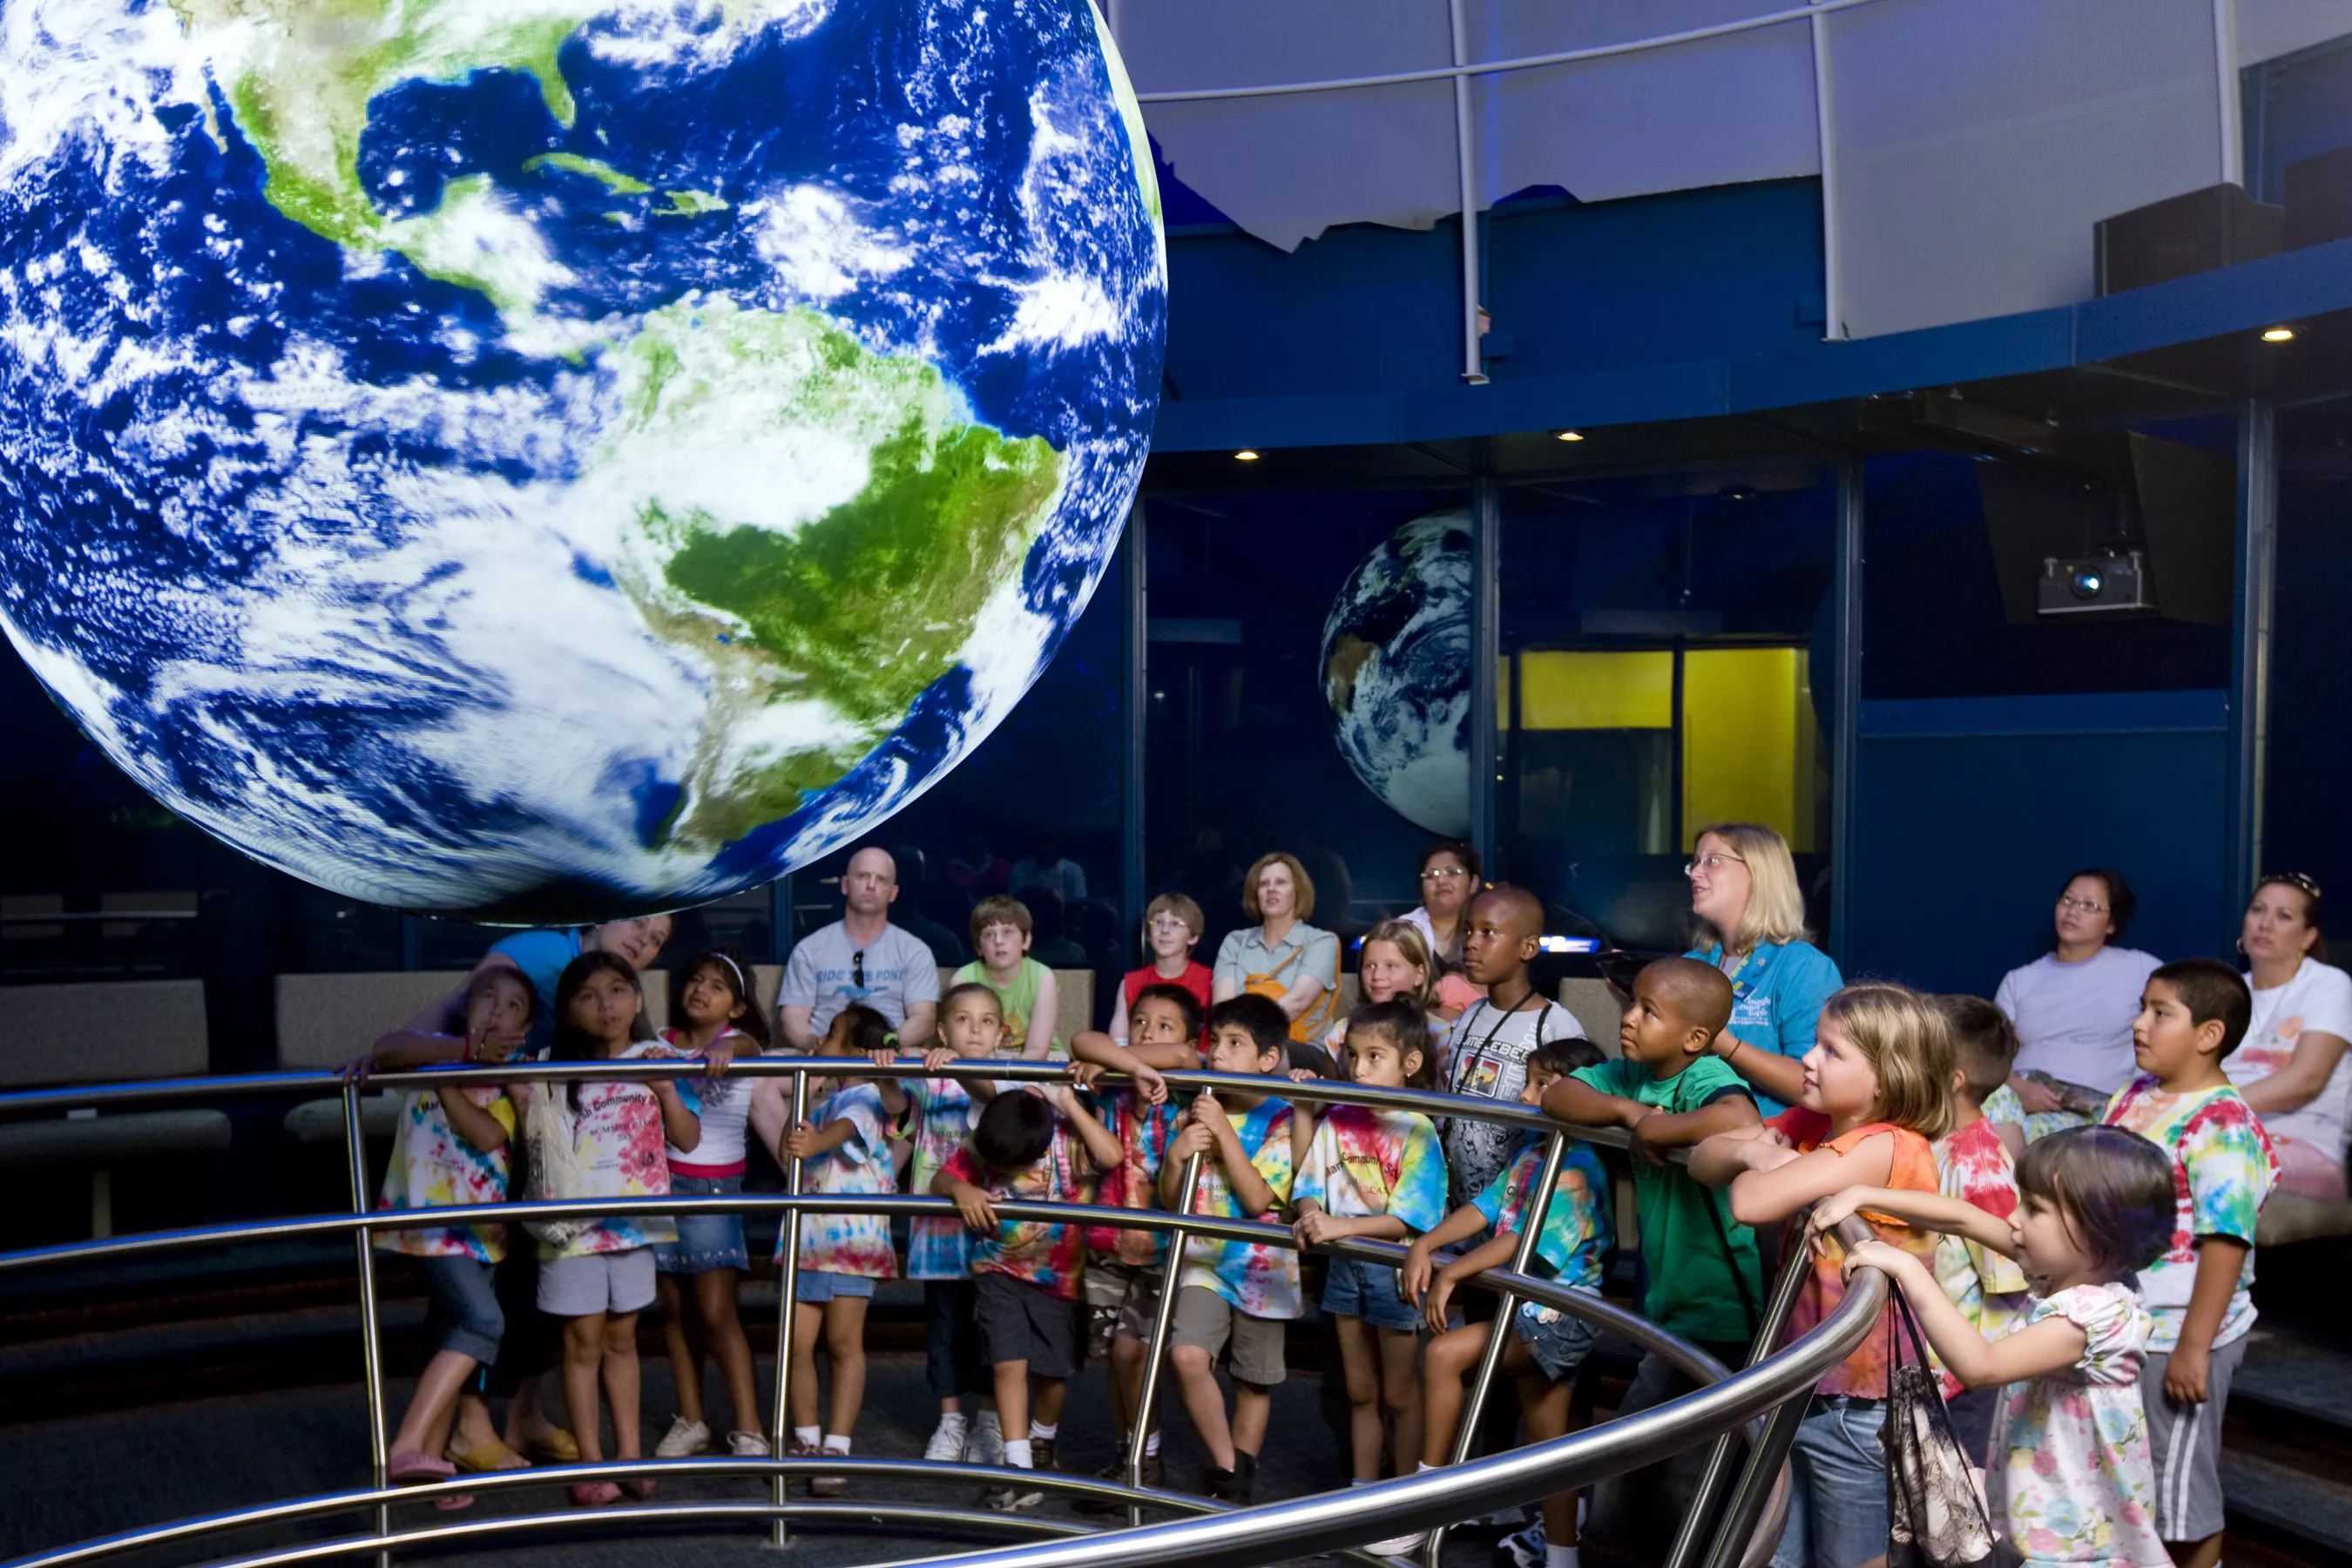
(552, 459)
(1396, 671)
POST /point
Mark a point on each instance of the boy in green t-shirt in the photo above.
(1669, 1090)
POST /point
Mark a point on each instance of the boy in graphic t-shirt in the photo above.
(1668, 1088)
(2192, 1014)
(1485, 1054)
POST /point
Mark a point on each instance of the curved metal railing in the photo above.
(1773, 1386)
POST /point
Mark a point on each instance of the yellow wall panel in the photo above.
(1597, 690)
(1741, 709)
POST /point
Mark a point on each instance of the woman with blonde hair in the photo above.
(1281, 956)
(1751, 917)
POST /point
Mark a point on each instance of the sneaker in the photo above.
(1155, 1473)
(947, 1443)
(1526, 1547)
(1008, 1499)
(1399, 1545)
(747, 1446)
(684, 1439)
(1041, 1454)
(1221, 1485)
(985, 1443)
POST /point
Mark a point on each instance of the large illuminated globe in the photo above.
(1396, 671)
(557, 458)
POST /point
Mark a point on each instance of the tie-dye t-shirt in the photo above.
(1260, 1279)
(1365, 1162)
(1988, 1287)
(618, 1140)
(1578, 1230)
(1144, 1131)
(943, 1116)
(849, 1243)
(1047, 1256)
(1911, 1169)
(2223, 1173)
(433, 1167)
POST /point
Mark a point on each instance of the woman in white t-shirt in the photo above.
(2292, 1067)
(2073, 1007)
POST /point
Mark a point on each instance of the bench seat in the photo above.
(110, 1139)
(2287, 1219)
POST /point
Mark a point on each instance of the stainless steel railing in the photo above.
(1777, 1384)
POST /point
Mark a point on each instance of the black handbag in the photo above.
(1935, 1512)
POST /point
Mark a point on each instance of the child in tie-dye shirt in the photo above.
(451, 1149)
(1025, 1272)
(1236, 1291)
(1546, 1346)
(1378, 1174)
(1975, 1165)
(843, 1148)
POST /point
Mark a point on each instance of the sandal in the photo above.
(555, 1446)
(487, 1458)
(410, 1466)
(454, 1501)
(596, 1494)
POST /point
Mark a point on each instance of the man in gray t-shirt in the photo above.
(861, 957)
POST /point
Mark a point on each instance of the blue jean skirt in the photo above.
(705, 1241)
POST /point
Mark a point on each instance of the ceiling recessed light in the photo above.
(1568, 436)
(2279, 335)
(1244, 456)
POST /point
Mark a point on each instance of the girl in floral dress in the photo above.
(2070, 1479)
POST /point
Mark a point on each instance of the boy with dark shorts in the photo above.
(1025, 1272)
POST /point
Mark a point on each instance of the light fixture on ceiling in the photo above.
(1568, 435)
(2279, 335)
(1244, 456)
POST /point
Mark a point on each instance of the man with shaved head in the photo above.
(1486, 1049)
(861, 957)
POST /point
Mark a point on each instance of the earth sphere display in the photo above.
(1396, 671)
(553, 459)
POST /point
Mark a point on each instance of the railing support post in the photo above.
(1147, 1394)
(1505, 1304)
(788, 1279)
(1717, 1477)
(370, 1342)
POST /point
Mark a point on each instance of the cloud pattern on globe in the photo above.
(546, 459)
(1396, 671)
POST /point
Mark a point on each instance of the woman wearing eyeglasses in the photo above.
(2073, 1007)
(1751, 914)
(1449, 880)
(2291, 1067)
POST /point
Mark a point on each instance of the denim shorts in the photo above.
(1355, 1289)
(463, 1312)
(815, 1285)
(705, 1241)
(1558, 1341)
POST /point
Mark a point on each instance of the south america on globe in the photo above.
(555, 460)
(1396, 671)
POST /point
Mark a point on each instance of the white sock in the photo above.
(1151, 1444)
(1559, 1556)
(1038, 1429)
(1016, 1453)
(1354, 1482)
(1425, 1465)
(835, 1443)
(812, 1435)
(951, 1421)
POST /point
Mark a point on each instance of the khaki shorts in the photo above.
(1207, 1320)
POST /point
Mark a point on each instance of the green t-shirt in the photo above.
(1706, 1279)
(1019, 1000)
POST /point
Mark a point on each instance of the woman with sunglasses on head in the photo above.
(1449, 880)
(1751, 914)
(2073, 1007)
(2291, 1067)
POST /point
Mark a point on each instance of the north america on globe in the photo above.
(555, 460)
(1396, 671)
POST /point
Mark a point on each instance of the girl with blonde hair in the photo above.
(1751, 914)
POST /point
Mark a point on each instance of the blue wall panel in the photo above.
(1970, 811)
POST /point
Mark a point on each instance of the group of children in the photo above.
(2090, 1298)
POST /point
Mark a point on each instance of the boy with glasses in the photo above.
(1173, 924)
